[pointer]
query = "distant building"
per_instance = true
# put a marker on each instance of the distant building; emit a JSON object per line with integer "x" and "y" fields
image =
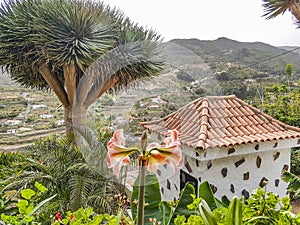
{"x": 12, "y": 122}
{"x": 29, "y": 99}
{"x": 46, "y": 116}
{"x": 157, "y": 100}
{"x": 60, "y": 122}
{"x": 34, "y": 107}
{"x": 12, "y": 131}
{"x": 24, "y": 129}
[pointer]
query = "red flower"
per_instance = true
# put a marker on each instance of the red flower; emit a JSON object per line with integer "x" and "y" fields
{"x": 58, "y": 216}
{"x": 71, "y": 217}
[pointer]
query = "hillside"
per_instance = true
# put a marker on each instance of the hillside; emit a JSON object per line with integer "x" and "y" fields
{"x": 224, "y": 50}
{"x": 194, "y": 68}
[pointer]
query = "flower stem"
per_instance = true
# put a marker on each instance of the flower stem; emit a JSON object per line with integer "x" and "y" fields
{"x": 141, "y": 199}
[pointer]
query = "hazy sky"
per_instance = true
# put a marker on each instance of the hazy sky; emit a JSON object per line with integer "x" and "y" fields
{"x": 240, "y": 20}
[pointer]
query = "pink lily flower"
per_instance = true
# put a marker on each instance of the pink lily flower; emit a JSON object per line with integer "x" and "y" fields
{"x": 155, "y": 154}
{"x": 118, "y": 155}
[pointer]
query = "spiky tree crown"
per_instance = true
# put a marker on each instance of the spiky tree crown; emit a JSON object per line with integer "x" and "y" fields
{"x": 64, "y": 32}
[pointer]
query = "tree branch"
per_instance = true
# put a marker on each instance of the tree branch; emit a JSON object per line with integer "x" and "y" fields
{"x": 55, "y": 84}
{"x": 83, "y": 87}
{"x": 96, "y": 92}
{"x": 70, "y": 81}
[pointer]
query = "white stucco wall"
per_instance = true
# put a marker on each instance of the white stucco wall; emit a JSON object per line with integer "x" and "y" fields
{"x": 244, "y": 168}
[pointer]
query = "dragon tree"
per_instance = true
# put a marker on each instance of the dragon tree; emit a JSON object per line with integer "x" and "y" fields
{"x": 77, "y": 49}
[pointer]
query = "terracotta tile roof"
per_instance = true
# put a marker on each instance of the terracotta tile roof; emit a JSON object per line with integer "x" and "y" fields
{"x": 220, "y": 121}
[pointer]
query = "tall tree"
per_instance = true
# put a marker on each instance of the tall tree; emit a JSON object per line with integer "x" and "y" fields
{"x": 274, "y": 8}
{"x": 76, "y": 48}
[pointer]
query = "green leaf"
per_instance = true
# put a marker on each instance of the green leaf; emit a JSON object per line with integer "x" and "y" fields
{"x": 27, "y": 193}
{"x": 166, "y": 211}
{"x": 36, "y": 207}
{"x": 40, "y": 187}
{"x": 206, "y": 213}
{"x": 97, "y": 219}
{"x": 225, "y": 201}
{"x": 29, "y": 208}
{"x": 28, "y": 219}
{"x": 22, "y": 205}
{"x": 206, "y": 193}
{"x": 261, "y": 220}
{"x": 234, "y": 214}
{"x": 152, "y": 198}
{"x": 185, "y": 199}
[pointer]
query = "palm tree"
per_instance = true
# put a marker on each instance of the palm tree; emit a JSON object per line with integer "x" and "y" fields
{"x": 61, "y": 167}
{"x": 274, "y": 8}
{"x": 77, "y": 49}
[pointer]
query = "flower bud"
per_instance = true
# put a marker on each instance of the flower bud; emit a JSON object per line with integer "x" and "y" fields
{"x": 144, "y": 140}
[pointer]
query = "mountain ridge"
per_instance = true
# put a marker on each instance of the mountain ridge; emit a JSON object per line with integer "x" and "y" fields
{"x": 225, "y": 50}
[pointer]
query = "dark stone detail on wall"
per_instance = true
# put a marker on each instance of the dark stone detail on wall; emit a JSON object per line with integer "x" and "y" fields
{"x": 165, "y": 166}
{"x": 245, "y": 193}
{"x": 240, "y": 162}
{"x": 224, "y": 171}
{"x": 168, "y": 185}
{"x": 213, "y": 188}
{"x": 197, "y": 154}
{"x": 158, "y": 172}
{"x": 277, "y": 182}
{"x": 176, "y": 188}
{"x": 263, "y": 182}
{"x": 298, "y": 142}
{"x": 256, "y": 147}
{"x": 197, "y": 162}
{"x": 230, "y": 151}
{"x": 232, "y": 188}
{"x": 188, "y": 166}
{"x": 209, "y": 164}
{"x": 199, "y": 179}
{"x": 205, "y": 154}
{"x": 159, "y": 137}
{"x": 246, "y": 176}
{"x": 275, "y": 145}
{"x": 276, "y": 155}
{"x": 258, "y": 161}
{"x": 285, "y": 167}
{"x": 162, "y": 190}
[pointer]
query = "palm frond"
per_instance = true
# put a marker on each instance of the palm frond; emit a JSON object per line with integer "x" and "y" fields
{"x": 273, "y": 8}
{"x": 101, "y": 202}
{"x": 80, "y": 186}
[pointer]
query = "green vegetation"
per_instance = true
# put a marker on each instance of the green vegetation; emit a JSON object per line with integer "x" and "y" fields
{"x": 260, "y": 208}
{"x": 78, "y": 57}
{"x": 55, "y": 181}
{"x": 63, "y": 169}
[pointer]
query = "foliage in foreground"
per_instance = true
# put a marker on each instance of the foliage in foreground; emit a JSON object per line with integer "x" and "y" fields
{"x": 63, "y": 169}
{"x": 260, "y": 208}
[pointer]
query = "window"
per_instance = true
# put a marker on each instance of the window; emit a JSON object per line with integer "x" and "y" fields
{"x": 187, "y": 178}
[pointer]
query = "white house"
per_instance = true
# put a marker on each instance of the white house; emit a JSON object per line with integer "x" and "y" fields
{"x": 35, "y": 107}
{"x": 60, "y": 122}
{"x": 233, "y": 145}
{"x": 11, "y": 131}
{"x": 46, "y": 116}
{"x": 12, "y": 122}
